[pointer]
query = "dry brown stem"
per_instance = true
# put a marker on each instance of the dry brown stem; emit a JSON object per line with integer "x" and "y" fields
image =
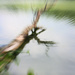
{"x": 16, "y": 43}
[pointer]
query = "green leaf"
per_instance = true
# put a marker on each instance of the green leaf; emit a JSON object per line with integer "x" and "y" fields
{"x": 16, "y": 61}
{"x": 28, "y": 52}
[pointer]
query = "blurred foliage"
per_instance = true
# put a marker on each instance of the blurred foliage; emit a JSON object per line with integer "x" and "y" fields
{"x": 28, "y": 52}
{"x": 30, "y": 72}
{"x": 62, "y": 9}
{"x": 59, "y": 5}
{"x": 70, "y": 15}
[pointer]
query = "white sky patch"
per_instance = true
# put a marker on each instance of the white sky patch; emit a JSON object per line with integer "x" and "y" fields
{"x": 35, "y": 49}
{"x": 13, "y": 23}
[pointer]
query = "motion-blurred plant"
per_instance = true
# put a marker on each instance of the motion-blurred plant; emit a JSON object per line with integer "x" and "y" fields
{"x": 9, "y": 52}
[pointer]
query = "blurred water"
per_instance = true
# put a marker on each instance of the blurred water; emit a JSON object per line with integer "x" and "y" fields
{"x": 61, "y": 56}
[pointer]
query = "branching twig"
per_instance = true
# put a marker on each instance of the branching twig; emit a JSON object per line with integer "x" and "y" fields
{"x": 10, "y": 51}
{"x": 48, "y": 6}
